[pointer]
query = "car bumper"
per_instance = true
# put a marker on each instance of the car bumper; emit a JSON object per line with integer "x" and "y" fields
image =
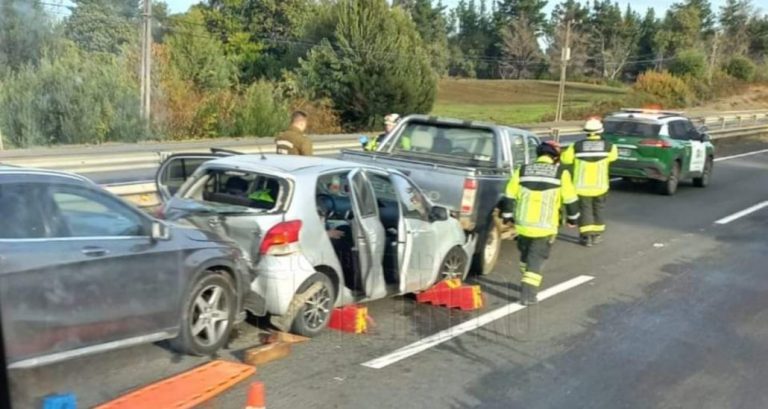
{"x": 278, "y": 278}
{"x": 641, "y": 169}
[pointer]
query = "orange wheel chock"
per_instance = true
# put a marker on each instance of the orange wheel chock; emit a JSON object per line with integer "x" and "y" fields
{"x": 350, "y": 318}
{"x": 452, "y": 293}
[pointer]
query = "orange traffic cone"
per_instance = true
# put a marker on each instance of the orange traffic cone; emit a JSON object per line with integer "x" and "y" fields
{"x": 256, "y": 397}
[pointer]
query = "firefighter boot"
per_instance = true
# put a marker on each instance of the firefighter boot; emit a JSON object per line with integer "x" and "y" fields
{"x": 597, "y": 238}
{"x": 528, "y": 294}
{"x": 586, "y": 240}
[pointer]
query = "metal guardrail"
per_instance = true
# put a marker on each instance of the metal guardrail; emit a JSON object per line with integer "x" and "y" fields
{"x": 144, "y": 194}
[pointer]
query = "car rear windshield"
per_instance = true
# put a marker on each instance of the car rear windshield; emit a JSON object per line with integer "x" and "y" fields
{"x": 457, "y": 143}
{"x": 629, "y": 127}
{"x": 237, "y": 189}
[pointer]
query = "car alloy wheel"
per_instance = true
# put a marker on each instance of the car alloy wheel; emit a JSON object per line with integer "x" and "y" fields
{"x": 454, "y": 265}
{"x": 210, "y": 315}
{"x": 317, "y": 309}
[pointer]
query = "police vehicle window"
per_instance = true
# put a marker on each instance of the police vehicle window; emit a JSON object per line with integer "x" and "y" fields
{"x": 20, "y": 216}
{"x": 456, "y": 142}
{"x": 245, "y": 189}
{"x": 677, "y": 130}
{"x": 79, "y": 212}
{"x": 413, "y": 202}
{"x": 364, "y": 196}
{"x": 632, "y": 128}
{"x": 177, "y": 172}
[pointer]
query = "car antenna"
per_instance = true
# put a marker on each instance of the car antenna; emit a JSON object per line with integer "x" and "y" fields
{"x": 261, "y": 152}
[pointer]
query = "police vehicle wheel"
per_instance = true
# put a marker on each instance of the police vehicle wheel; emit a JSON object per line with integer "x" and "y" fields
{"x": 703, "y": 181}
{"x": 669, "y": 187}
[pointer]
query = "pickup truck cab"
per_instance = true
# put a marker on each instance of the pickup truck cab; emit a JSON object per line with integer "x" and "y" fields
{"x": 660, "y": 146}
{"x": 462, "y": 165}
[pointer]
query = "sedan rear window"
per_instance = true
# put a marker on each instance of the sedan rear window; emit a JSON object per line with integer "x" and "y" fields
{"x": 629, "y": 127}
{"x": 237, "y": 188}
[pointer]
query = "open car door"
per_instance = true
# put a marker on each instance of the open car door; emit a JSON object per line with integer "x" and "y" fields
{"x": 369, "y": 236}
{"x": 177, "y": 168}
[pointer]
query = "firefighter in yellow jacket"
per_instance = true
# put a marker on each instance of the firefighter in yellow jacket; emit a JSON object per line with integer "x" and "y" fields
{"x": 591, "y": 158}
{"x": 534, "y": 197}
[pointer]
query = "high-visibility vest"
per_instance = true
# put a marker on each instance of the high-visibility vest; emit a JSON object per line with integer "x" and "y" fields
{"x": 591, "y": 159}
{"x": 536, "y": 193}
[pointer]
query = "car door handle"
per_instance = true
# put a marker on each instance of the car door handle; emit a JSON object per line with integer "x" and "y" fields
{"x": 94, "y": 251}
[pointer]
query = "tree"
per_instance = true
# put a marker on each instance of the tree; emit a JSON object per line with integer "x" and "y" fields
{"x": 25, "y": 29}
{"x": 373, "y": 63}
{"x": 520, "y": 49}
{"x": 741, "y": 67}
{"x": 103, "y": 25}
{"x": 578, "y": 15}
{"x": 691, "y": 63}
{"x": 758, "y": 37}
{"x": 533, "y": 10}
{"x": 649, "y": 28}
{"x": 681, "y": 29}
{"x": 734, "y": 18}
{"x": 197, "y": 54}
{"x": 614, "y": 35}
{"x": 432, "y": 27}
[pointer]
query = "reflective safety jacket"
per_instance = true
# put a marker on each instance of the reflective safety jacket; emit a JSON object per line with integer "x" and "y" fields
{"x": 535, "y": 195}
{"x": 590, "y": 159}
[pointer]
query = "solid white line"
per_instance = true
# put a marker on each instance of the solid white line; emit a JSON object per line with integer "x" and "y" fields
{"x": 475, "y": 323}
{"x": 741, "y": 155}
{"x": 738, "y": 215}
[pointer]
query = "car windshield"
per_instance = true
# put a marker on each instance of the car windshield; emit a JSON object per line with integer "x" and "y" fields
{"x": 629, "y": 127}
{"x": 233, "y": 191}
{"x": 469, "y": 144}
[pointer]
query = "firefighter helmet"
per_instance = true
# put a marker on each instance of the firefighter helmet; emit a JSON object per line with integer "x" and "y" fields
{"x": 593, "y": 126}
{"x": 550, "y": 148}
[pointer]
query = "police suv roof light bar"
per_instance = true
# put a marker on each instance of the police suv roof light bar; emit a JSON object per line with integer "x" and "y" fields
{"x": 651, "y": 111}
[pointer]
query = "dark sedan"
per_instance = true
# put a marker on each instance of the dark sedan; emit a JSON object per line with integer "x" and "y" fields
{"x": 81, "y": 271}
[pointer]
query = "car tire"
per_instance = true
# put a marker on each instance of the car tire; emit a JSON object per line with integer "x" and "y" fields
{"x": 669, "y": 186}
{"x": 454, "y": 265}
{"x": 706, "y": 176}
{"x": 208, "y": 315}
{"x": 313, "y": 315}
{"x": 484, "y": 261}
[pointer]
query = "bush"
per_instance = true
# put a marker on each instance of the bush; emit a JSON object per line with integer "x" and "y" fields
{"x": 689, "y": 63}
{"x": 260, "y": 112}
{"x": 72, "y": 98}
{"x": 664, "y": 88}
{"x": 741, "y": 67}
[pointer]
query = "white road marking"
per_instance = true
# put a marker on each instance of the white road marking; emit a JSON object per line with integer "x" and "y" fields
{"x": 475, "y": 323}
{"x": 741, "y": 155}
{"x": 738, "y": 215}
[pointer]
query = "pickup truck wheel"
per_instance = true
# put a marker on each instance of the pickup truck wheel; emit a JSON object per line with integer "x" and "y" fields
{"x": 485, "y": 260}
{"x": 669, "y": 187}
{"x": 703, "y": 181}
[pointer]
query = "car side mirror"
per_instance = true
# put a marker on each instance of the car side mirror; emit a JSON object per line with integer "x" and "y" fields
{"x": 438, "y": 214}
{"x": 160, "y": 231}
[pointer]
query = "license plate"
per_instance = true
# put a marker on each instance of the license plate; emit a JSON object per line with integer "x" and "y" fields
{"x": 625, "y": 152}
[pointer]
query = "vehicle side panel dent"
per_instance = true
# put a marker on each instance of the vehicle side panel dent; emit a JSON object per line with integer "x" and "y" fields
{"x": 278, "y": 278}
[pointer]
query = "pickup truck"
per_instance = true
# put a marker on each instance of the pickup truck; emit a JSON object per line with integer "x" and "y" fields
{"x": 462, "y": 165}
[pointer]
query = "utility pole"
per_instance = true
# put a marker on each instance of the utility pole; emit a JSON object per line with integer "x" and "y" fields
{"x": 565, "y": 55}
{"x": 713, "y": 57}
{"x": 146, "y": 63}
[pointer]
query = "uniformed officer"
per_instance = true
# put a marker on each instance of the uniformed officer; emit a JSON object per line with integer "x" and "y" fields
{"x": 534, "y": 197}
{"x": 293, "y": 141}
{"x": 590, "y": 158}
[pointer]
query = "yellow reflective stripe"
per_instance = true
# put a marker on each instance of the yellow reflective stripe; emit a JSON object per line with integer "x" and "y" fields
{"x": 531, "y": 278}
{"x": 523, "y": 266}
{"x": 592, "y": 228}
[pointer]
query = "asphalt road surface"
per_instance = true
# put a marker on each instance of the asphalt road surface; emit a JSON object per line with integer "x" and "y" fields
{"x": 669, "y": 312}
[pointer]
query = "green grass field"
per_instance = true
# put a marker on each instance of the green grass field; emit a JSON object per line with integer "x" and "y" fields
{"x": 513, "y": 102}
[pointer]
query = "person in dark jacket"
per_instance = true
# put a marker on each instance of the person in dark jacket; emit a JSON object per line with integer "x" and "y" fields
{"x": 294, "y": 141}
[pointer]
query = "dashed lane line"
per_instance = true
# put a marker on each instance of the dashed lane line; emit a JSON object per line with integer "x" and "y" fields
{"x": 740, "y": 214}
{"x": 470, "y": 325}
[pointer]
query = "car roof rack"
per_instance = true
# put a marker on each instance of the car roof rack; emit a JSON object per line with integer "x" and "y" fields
{"x": 652, "y": 111}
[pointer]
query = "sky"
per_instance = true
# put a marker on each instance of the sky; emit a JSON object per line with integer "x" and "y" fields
{"x": 640, "y": 5}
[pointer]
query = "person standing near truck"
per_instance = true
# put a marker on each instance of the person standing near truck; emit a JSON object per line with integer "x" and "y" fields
{"x": 591, "y": 158}
{"x": 390, "y": 121}
{"x": 294, "y": 141}
{"x": 534, "y": 196}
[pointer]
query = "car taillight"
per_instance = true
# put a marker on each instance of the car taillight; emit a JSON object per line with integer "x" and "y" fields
{"x": 468, "y": 197}
{"x": 655, "y": 143}
{"x": 281, "y": 239}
